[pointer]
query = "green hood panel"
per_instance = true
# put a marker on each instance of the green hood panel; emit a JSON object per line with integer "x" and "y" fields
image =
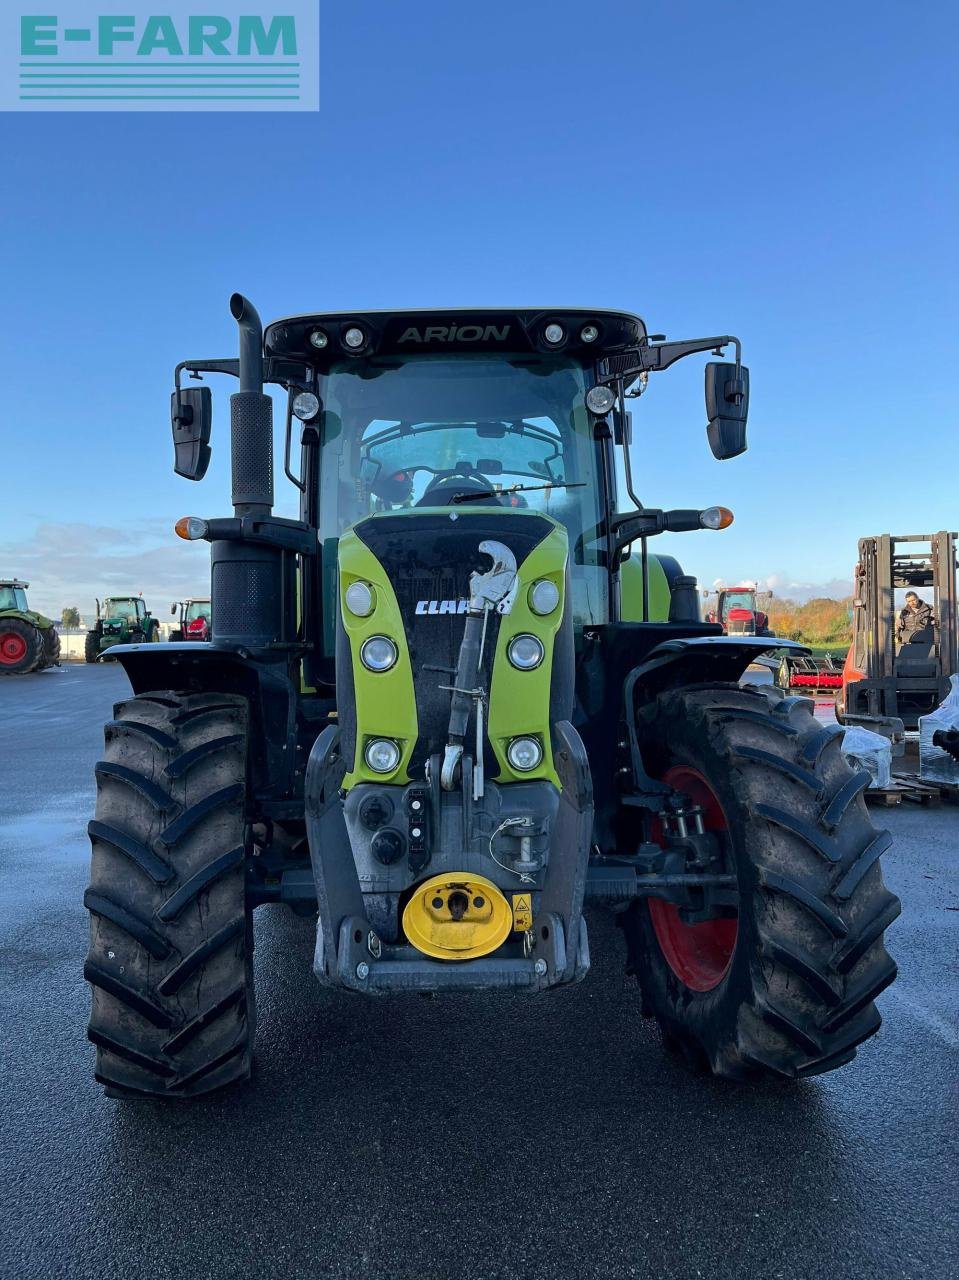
{"x": 385, "y": 704}
{"x": 419, "y": 567}
{"x": 38, "y": 620}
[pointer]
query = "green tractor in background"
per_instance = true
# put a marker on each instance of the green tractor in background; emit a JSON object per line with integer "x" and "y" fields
{"x": 456, "y": 701}
{"x": 120, "y": 620}
{"x": 28, "y": 640}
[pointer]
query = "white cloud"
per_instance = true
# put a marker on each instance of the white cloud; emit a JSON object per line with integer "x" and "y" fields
{"x": 71, "y": 563}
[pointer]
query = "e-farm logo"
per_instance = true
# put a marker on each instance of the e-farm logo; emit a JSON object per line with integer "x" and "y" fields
{"x": 99, "y": 55}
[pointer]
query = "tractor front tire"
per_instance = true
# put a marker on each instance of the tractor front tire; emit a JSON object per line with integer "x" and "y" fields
{"x": 171, "y": 941}
{"x": 21, "y": 647}
{"x": 785, "y": 985}
{"x": 91, "y": 646}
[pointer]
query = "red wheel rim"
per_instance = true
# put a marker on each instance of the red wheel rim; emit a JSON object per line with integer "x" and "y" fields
{"x": 13, "y": 648}
{"x": 698, "y": 954}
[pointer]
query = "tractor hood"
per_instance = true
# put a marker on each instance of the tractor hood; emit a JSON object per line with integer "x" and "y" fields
{"x": 418, "y": 566}
{"x": 39, "y": 620}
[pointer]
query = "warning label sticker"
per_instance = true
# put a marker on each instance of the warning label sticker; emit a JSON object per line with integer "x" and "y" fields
{"x": 522, "y": 912}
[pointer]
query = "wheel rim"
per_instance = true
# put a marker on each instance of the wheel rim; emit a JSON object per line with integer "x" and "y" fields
{"x": 698, "y": 954}
{"x": 13, "y": 648}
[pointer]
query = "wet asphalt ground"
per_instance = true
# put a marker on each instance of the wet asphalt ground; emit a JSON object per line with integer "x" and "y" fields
{"x": 468, "y": 1138}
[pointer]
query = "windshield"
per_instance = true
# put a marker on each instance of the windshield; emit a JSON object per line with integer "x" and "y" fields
{"x": 428, "y": 430}
{"x": 197, "y": 609}
{"x": 119, "y": 609}
{"x": 13, "y": 598}
{"x": 738, "y": 600}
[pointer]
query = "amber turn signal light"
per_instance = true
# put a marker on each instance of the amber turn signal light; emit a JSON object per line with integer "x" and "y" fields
{"x": 191, "y": 528}
{"x": 716, "y": 518}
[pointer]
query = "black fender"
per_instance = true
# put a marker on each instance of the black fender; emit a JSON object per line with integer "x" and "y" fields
{"x": 204, "y": 666}
{"x": 677, "y": 663}
{"x": 699, "y": 660}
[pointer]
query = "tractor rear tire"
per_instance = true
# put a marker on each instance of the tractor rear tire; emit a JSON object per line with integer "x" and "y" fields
{"x": 171, "y": 940}
{"x": 91, "y": 646}
{"x": 51, "y": 648}
{"x": 21, "y": 647}
{"x": 787, "y": 988}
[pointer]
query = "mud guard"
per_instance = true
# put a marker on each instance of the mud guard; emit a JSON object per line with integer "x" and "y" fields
{"x": 698, "y": 659}
{"x": 192, "y": 666}
{"x": 680, "y": 662}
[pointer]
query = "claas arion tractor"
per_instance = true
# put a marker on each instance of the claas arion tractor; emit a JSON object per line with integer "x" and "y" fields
{"x": 457, "y": 700}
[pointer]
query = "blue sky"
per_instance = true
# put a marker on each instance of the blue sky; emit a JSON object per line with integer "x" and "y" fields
{"x": 783, "y": 172}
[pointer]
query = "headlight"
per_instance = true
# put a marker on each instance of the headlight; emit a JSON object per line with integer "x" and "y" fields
{"x": 525, "y": 652}
{"x": 588, "y": 333}
{"x": 360, "y": 599}
{"x": 354, "y": 338}
{"x": 524, "y": 754}
{"x": 554, "y": 334}
{"x": 318, "y": 339}
{"x": 382, "y": 755}
{"x": 600, "y": 400}
{"x": 306, "y": 406}
{"x": 379, "y": 653}
{"x": 543, "y": 596}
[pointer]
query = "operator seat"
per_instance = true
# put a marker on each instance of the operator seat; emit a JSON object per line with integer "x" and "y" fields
{"x": 917, "y": 659}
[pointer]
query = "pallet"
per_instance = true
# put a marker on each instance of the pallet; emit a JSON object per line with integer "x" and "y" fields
{"x": 904, "y": 788}
{"x": 946, "y": 792}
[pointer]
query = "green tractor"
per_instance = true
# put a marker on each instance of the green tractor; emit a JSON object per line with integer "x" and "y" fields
{"x": 28, "y": 640}
{"x": 457, "y": 700}
{"x": 120, "y": 620}
{"x": 195, "y": 621}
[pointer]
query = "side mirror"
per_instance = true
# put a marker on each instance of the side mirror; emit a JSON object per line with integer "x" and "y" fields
{"x": 727, "y": 406}
{"x": 172, "y": 608}
{"x": 191, "y": 417}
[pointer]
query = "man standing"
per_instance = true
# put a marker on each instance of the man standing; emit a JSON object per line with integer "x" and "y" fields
{"x": 915, "y": 621}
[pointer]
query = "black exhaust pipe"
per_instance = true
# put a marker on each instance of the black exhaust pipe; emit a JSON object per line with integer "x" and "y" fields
{"x": 251, "y": 342}
{"x": 250, "y": 579}
{"x": 251, "y": 419}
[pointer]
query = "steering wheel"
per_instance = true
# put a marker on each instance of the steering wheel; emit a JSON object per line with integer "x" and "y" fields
{"x": 462, "y": 479}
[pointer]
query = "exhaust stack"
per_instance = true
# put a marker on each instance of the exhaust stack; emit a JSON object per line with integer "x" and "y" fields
{"x": 251, "y": 419}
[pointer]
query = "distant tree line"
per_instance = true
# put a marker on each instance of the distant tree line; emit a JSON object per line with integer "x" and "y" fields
{"x": 818, "y": 622}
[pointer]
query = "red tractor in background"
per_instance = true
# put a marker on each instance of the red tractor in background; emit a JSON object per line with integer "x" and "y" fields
{"x": 737, "y": 610}
{"x": 195, "y": 619}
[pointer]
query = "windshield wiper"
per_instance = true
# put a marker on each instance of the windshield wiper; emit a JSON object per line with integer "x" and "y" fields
{"x": 516, "y": 488}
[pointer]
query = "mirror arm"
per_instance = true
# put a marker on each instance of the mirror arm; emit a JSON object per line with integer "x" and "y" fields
{"x": 274, "y": 370}
{"x": 289, "y": 435}
{"x": 627, "y": 365}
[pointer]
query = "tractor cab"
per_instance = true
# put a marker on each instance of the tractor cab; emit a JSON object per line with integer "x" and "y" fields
{"x": 13, "y": 595}
{"x": 118, "y": 611}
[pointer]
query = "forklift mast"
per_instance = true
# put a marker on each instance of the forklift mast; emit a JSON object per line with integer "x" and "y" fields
{"x": 884, "y": 678}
